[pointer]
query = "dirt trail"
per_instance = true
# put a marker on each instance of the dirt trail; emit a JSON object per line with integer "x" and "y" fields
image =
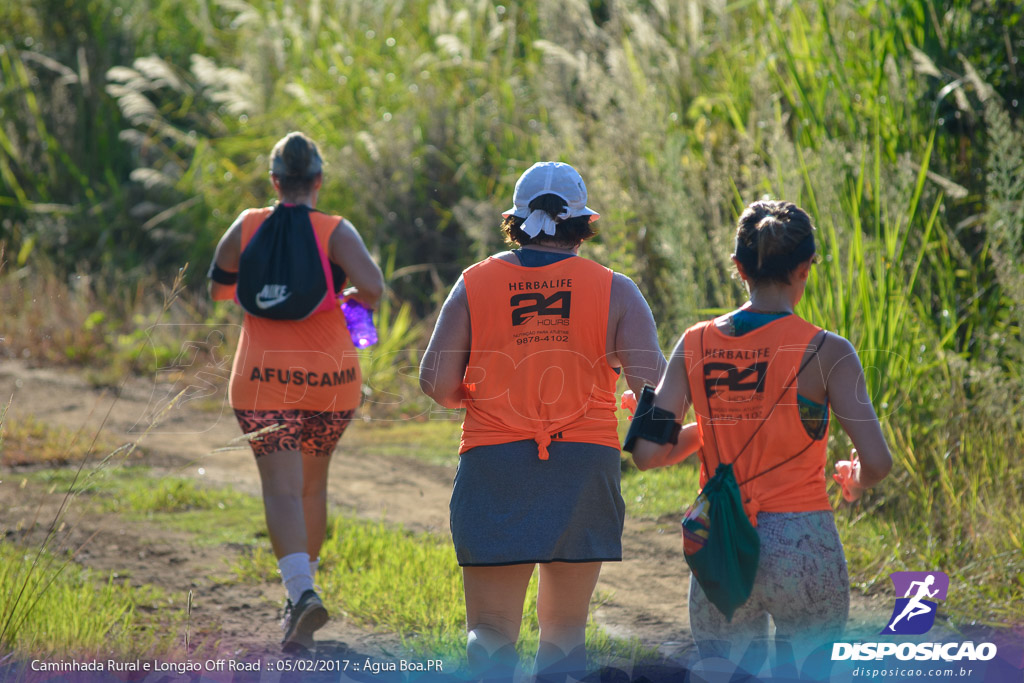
{"x": 646, "y": 593}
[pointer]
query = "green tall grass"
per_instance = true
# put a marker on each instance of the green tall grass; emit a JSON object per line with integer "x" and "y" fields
{"x": 950, "y": 496}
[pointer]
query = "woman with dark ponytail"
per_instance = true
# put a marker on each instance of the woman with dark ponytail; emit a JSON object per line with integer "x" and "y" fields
{"x": 762, "y": 381}
{"x": 295, "y": 373}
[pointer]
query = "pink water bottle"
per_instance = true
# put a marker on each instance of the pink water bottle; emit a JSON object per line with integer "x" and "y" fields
{"x": 360, "y": 323}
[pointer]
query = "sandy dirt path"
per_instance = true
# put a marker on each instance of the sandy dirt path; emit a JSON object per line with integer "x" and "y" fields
{"x": 646, "y": 593}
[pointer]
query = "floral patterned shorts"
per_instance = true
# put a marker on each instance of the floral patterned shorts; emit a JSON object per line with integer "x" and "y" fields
{"x": 312, "y": 433}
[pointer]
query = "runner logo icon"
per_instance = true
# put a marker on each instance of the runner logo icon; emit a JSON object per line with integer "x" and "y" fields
{"x": 914, "y": 613}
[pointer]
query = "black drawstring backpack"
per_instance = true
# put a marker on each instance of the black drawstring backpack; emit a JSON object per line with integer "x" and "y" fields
{"x": 283, "y": 272}
{"x": 720, "y": 544}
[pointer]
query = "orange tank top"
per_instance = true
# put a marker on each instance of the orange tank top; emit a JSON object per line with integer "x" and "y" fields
{"x": 306, "y": 364}
{"x": 738, "y": 383}
{"x": 538, "y": 365}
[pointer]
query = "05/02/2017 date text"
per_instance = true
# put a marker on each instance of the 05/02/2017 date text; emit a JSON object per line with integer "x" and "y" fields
{"x": 366, "y": 666}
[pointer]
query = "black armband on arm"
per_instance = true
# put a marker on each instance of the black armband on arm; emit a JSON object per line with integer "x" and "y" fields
{"x": 221, "y": 276}
{"x": 651, "y": 423}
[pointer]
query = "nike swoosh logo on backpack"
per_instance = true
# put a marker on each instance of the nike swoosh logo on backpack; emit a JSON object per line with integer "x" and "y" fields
{"x": 271, "y": 296}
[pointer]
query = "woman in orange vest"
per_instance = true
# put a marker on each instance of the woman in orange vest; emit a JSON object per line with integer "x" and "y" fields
{"x": 531, "y": 343}
{"x": 299, "y": 377}
{"x": 761, "y": 381}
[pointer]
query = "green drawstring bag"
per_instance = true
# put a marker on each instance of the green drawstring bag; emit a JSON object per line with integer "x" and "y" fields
{"x": 720, "y": 544}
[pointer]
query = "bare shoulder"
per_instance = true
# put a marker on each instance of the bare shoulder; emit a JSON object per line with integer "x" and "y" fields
{"x": 346, "y": 244}
{"x": 234, "y": 230}
{"x": 345, "y": 230}
{"x": 835, "y": 349}
{"x": 679, "y": 350}
{"x": 230, "y": 245}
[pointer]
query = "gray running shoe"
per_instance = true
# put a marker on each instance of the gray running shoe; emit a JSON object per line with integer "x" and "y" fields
{"x": 301, "y": 620}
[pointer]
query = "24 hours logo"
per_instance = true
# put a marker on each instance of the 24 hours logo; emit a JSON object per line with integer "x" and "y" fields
{"x": 528, "y": 305}
{"x": 734, "y": 378}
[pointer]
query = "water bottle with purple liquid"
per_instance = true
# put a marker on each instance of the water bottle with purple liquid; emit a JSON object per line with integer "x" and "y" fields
{"x": 360, "y": 323}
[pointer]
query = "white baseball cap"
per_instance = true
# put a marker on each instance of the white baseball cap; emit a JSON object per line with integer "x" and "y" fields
{"x": 551, "y": 177}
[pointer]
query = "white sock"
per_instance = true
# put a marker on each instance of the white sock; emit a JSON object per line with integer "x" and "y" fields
{"x": 313, "y": 566}
{"x": 294, "y": 570}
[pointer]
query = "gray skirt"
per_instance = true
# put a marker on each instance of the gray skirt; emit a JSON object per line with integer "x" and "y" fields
{"x": 510, "y": 507}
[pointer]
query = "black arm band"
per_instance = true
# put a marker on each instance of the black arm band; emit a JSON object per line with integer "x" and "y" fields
{"x": 651, "y": 423}
{"x": 221, "y": 276}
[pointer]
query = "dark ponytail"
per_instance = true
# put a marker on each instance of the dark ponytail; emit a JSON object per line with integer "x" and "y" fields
{"x": 772, "y": 239}
{"x": 295, "y": 161}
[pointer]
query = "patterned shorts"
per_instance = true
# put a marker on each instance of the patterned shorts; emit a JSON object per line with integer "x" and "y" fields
{"x": 312, "y": 433}
{"x": 801, "y": 583}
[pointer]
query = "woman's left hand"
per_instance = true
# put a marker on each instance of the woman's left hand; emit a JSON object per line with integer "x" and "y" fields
{"x": 354, "y": 293}
{"x": 628, "y": 402}
{"x": 848, "y": 477}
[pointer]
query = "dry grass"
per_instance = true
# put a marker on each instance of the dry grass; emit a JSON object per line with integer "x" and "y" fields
{"x": 29, "y": 441}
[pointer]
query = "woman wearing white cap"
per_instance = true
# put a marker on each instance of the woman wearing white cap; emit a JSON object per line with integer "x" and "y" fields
{"x": 531, "y": 343}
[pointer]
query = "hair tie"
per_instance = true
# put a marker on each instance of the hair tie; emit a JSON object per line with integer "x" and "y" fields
{"x": 540, "y": 221}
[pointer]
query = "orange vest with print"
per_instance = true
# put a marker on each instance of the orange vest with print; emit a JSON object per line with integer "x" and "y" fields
{"x": 737, "y": 383}
{"x": 538, "y": 368}
{"x": 306, "y": 364}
